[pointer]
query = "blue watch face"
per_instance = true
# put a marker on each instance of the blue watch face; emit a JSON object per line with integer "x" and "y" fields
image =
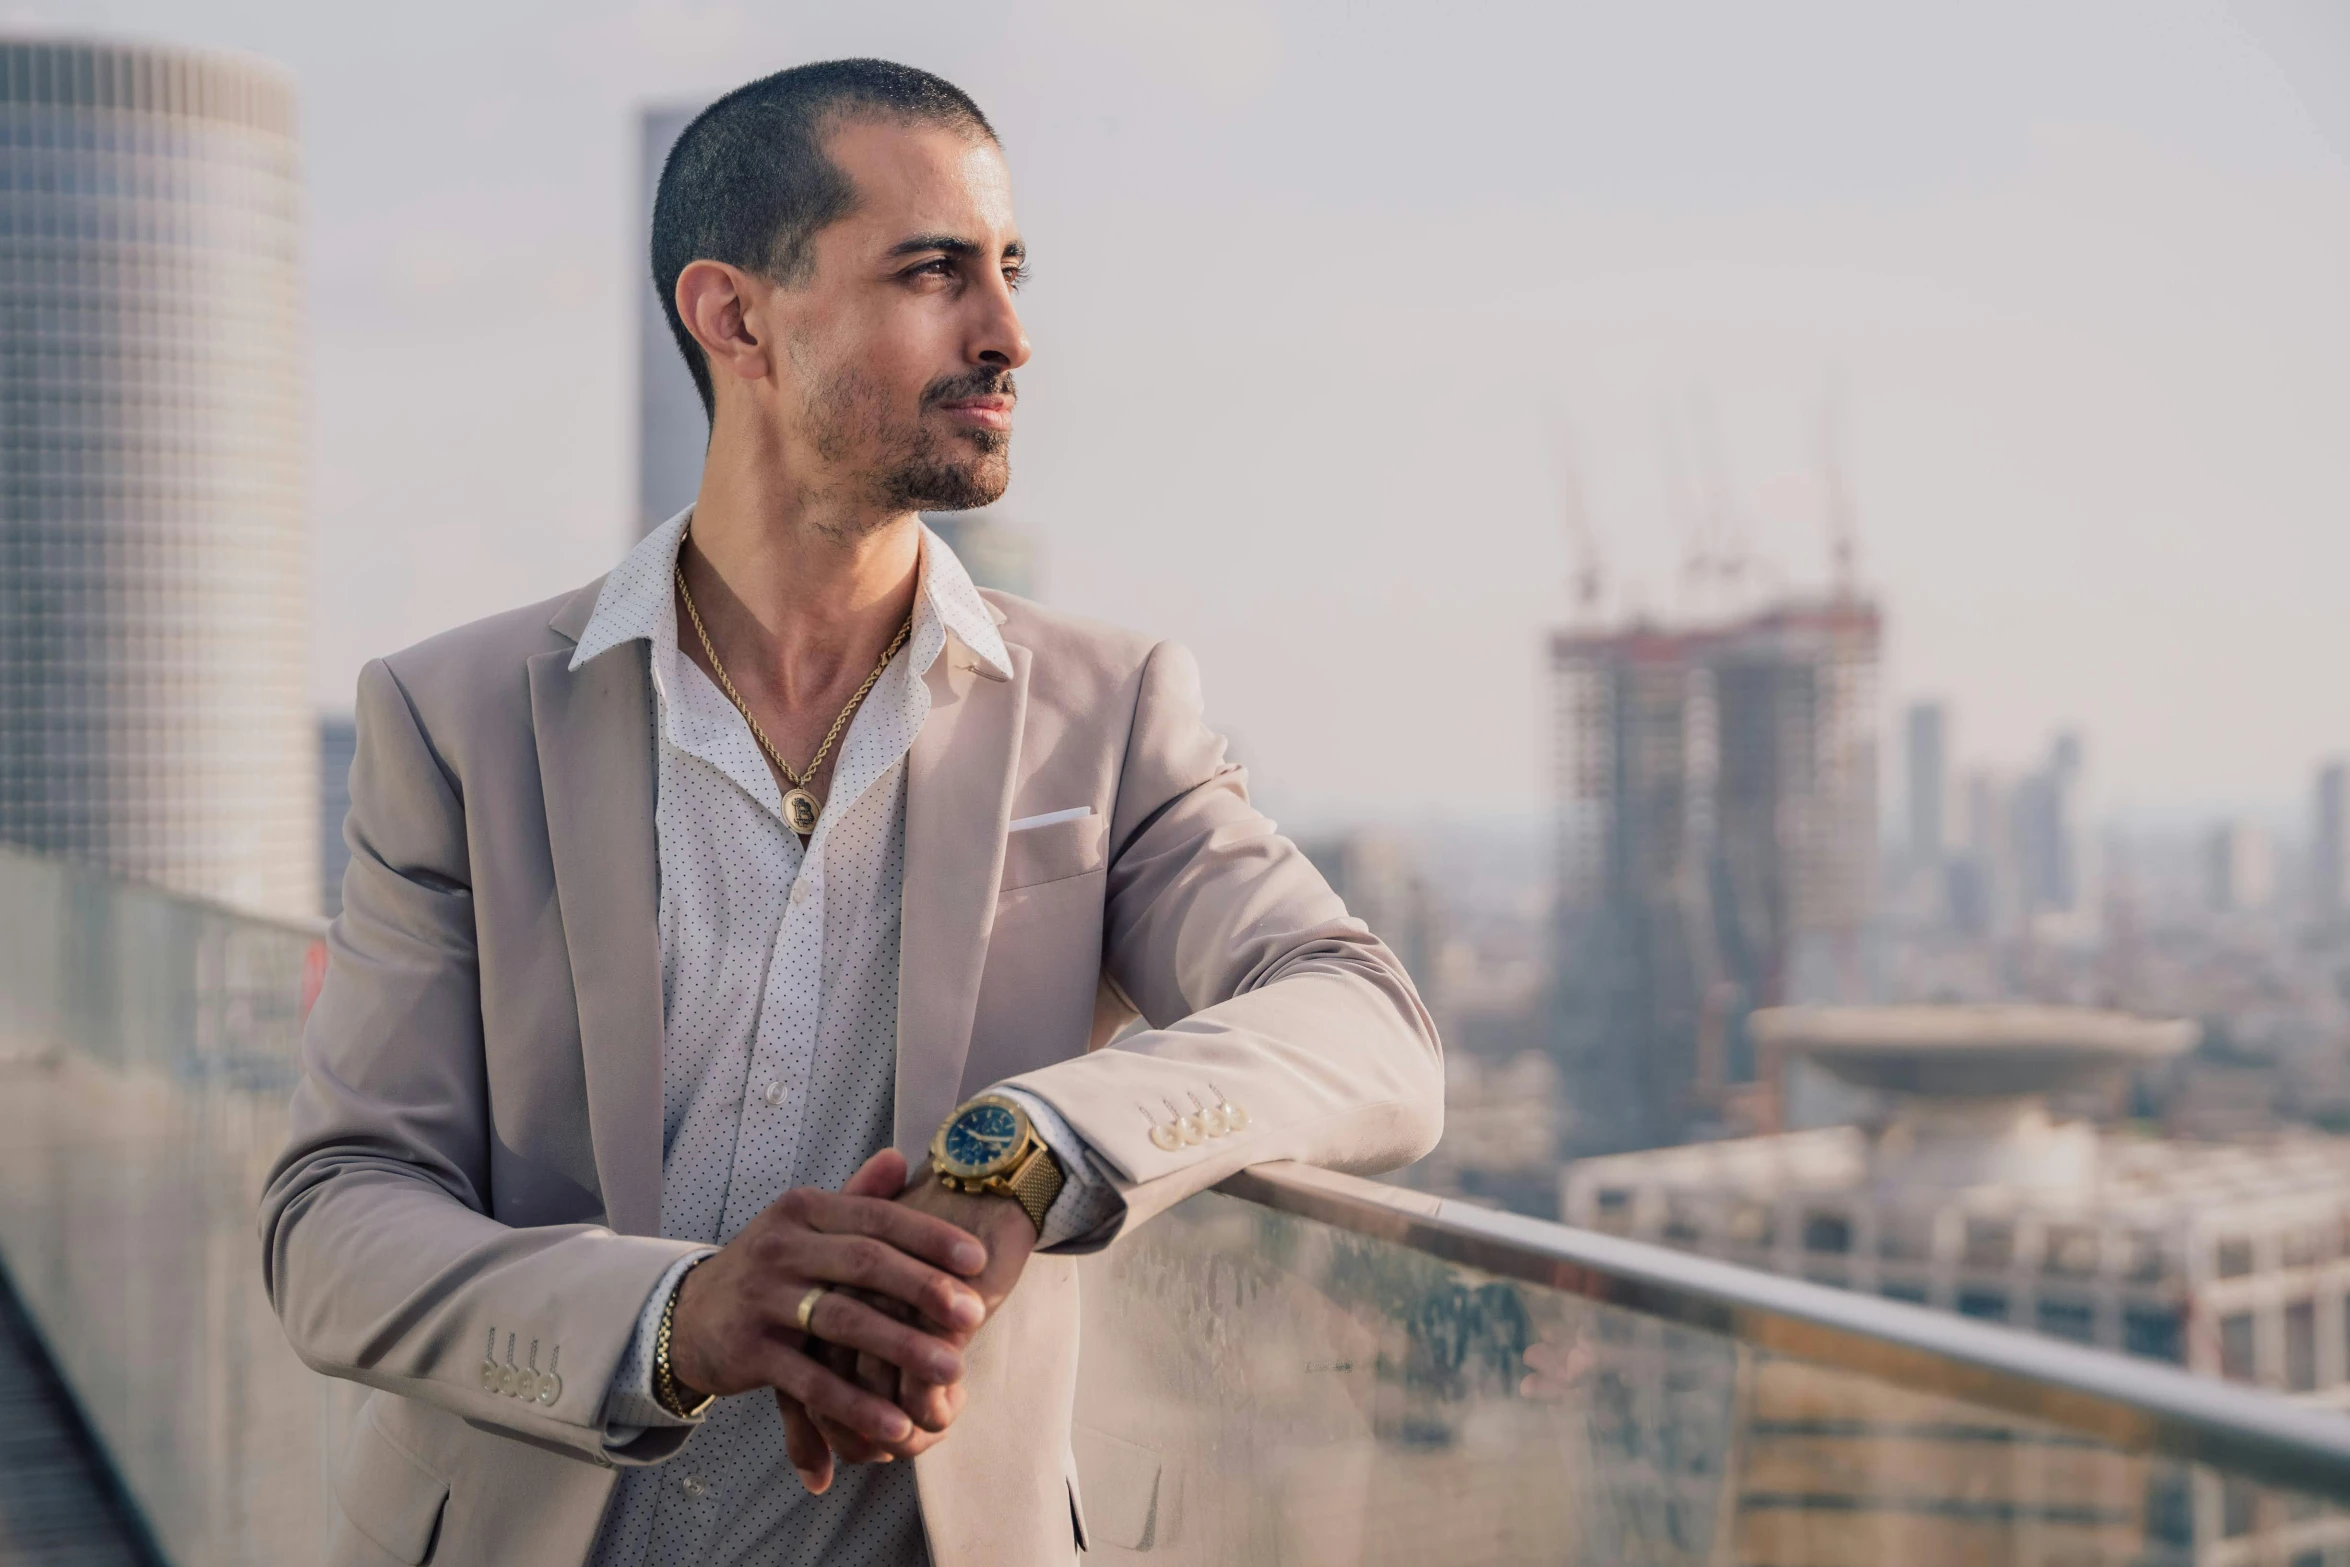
{"x": 981, "y": 1135}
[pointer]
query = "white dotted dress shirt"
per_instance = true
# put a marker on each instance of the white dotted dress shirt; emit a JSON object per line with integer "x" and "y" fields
{"x": 779, "y": 972}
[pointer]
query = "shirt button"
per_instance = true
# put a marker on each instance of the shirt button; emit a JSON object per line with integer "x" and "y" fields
{"x": 693, "y": 1485}
{"x": 799, "y": 890}
{"x": 772, "y": 1093}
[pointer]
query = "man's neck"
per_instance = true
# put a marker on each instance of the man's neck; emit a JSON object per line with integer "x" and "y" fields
{"x": 803, "y": 587}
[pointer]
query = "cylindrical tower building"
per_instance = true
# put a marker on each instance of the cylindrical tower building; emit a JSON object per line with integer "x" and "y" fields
{"x": 153, "y": 712}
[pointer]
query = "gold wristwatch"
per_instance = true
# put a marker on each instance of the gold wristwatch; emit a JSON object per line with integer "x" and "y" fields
{"x": 989, "y": 1146}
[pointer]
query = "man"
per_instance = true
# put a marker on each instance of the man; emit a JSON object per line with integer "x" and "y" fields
{"x": 721, "y": 1008}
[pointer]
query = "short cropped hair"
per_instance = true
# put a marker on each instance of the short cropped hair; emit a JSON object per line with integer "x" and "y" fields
{"x": 748, "y": 182}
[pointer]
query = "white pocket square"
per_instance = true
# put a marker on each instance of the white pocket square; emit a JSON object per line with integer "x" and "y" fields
{"x": 1073, "y": 813}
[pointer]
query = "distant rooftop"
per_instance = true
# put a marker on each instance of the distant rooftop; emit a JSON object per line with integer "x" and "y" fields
{"x": 2149, "y": 1181}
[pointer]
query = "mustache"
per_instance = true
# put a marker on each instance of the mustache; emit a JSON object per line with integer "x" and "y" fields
{"x": 983, "y": 382}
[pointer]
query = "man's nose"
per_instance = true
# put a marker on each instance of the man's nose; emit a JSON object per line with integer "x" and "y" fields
{"x": 1001, "y": 341}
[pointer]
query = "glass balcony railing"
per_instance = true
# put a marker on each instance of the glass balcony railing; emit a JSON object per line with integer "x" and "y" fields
{"x": 1300, "y": 1368}
{"x": 147, "y": 1051}
{"x": 1305, "y": 1367}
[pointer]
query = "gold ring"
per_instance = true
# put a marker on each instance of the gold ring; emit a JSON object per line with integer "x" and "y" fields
{"x": 807, "y": 1312}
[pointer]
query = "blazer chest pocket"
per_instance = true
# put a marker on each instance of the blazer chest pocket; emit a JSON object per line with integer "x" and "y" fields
{"x": 1055, "y": 850}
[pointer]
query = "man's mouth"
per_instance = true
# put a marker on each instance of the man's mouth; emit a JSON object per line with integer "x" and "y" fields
{"x": 992, "y": 411}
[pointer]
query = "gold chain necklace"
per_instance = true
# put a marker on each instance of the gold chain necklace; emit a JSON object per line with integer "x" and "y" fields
{"x": 800, "y": 805}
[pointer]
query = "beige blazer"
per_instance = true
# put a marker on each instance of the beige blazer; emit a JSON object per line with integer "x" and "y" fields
{"x": 476, "y": 1153}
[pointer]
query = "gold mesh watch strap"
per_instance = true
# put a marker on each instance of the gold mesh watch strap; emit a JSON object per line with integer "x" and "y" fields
{"x": 1036, "y": 1184}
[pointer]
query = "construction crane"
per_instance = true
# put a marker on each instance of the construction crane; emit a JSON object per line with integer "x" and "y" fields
{"x": 1682, "y": 506}
{"x": 1837, "y": 505}
{"x": 1731, "y": 550}
{"x": 1587, "y": 580}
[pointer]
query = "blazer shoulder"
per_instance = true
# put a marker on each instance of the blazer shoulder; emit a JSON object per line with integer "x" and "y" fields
{"x": 479, "y": 673}
{"x": 1062, "y": 643}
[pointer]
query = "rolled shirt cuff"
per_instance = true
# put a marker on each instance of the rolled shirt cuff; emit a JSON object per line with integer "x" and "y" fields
{"x": 630, "y": 1409}
{"x": 1088, "y": 1213}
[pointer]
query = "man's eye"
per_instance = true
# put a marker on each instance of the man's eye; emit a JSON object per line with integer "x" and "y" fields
{"x": 1016, "y": 278}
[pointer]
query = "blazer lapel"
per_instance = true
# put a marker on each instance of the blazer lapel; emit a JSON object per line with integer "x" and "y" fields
{"x": 959, "y": 778}
{"x": 595, "y": 745}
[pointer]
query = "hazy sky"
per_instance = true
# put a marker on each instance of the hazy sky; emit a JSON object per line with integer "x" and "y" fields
{"x": 1315, "y": 282}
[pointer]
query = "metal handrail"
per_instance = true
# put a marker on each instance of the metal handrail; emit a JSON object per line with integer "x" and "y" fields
{"x": 2134, "y": 1404}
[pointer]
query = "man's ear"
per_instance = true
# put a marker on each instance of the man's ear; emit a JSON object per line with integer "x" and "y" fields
{"x": 718, "y": 305}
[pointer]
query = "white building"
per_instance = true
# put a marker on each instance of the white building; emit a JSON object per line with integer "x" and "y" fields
{"x": 153, "y": 707}
{"x": 1976, "y": 1197}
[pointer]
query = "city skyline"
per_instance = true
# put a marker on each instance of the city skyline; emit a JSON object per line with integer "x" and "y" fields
{"x": 2084, "y": 307}
{"x": 1777, "y": 575}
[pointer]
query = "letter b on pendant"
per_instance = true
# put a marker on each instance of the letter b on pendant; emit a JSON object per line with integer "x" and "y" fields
{"x": 800, "y": 809}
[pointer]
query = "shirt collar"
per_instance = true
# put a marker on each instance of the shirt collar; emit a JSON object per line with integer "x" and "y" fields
{"x": 955, "y": 600}
{"x": 635, "y": 603}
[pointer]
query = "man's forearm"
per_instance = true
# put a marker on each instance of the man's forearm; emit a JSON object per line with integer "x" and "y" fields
{"x": 350, "y": 1249}
{"x": 1332, "y": 1062}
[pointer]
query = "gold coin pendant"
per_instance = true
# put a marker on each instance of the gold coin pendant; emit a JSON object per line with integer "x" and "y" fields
{"x": 800, "y": 810}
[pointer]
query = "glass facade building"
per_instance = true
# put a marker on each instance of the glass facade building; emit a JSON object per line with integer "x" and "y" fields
{"x": 152, "y": 694}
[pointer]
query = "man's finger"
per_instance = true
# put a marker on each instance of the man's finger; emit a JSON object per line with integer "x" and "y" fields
{"x": 804, "y": 1445}
{"x": 878, "y": 1377}
{"x": 830, "y": 1397}
{"x": 854, "y": 1449}
{"x": 851, "y": 1447}
{"x": 930, "y": 1405}
{"x": 876, "y": 1267}
{"x": 917, "y": 1234}
{"x": 883, "y": 1175}
{"x": 840, "y": 1318}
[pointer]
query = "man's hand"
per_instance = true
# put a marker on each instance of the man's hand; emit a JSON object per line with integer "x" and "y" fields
{"x": 1003, "y": 1227}
{"x": 733, "y": 1329}
{"x": 1000, "y": 1223}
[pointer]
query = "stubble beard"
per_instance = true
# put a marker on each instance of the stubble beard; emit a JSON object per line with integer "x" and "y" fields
{"x": 929, "y": 475}
{"x": 909, "y": 466}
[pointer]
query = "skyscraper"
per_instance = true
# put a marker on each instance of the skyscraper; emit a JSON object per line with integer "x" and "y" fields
{"x": 672, "y": 430}
{"x": 1927, "y": 758}
{"x": 1717, "y": 832}
{"x": 2329, "y": 843}
{"x": 2239, "y": 868}
{"x": 2046, "y": 831}
{"x": 153, "y": 716}
{"x": 338, "y": 743}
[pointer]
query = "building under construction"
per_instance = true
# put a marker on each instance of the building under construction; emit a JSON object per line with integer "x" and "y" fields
{"x": 1717, "y": 835}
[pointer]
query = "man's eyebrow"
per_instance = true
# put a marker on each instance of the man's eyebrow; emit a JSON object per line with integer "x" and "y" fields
{"x": 953, "y": 245}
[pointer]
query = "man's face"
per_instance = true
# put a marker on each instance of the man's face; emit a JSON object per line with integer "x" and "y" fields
{"x": 895, "y": 357}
